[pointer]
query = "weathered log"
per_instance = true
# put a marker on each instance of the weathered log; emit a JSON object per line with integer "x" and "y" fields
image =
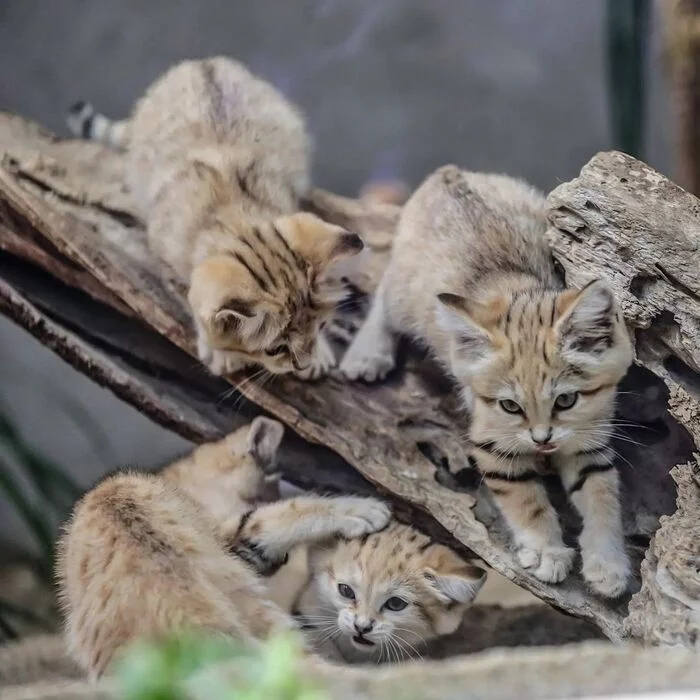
{"x": 586, "y": 670}
{"x": 625, "y": 222}
{"x": 77, "y": 273}
{"x": 667, "y": 608}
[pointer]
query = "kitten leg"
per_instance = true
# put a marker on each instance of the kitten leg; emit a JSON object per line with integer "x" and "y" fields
{"x": 523, "y": 500}
{"x": 593, "y": 487}
{"x": 273, "y": 530}
{"x": 322, "y": 362}
{"x": 372, "y": 354}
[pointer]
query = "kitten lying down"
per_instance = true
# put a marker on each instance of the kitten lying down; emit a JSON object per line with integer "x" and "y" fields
{"x": 191, "y": 547}
{"x": 216, "y": 161}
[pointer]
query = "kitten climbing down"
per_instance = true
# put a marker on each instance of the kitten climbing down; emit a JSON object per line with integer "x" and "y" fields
{"x": 147, "y": 554}
{"x": 382, "y": 597}
{"x": 217, "y": 161}
{"x": 471, "y": 276}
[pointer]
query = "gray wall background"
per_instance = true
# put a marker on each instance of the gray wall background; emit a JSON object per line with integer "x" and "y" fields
{"x": 390, "y": 87}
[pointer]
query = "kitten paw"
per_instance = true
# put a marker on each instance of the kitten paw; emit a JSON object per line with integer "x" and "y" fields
{"x": 204, "y": 350}
{"x": 321, "y": 365}
{"x": 549, "y": 564}
{"x": 369, "y": 362}
{"x": 361, "y": 516}
{"x": 607, "y": 577}
{"x": 223, "y": 363}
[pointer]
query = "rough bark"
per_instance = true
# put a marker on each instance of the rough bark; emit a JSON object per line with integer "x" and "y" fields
{"x": 76, "y": 272}
{"x": 625, "y": 222}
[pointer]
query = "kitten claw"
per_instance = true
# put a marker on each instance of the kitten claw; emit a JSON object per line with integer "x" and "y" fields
{"x": 322, "y": 363}
{"x": 361, "y": 516}
{"x": 549, "y": 564}
{"x": 607, "y": 577}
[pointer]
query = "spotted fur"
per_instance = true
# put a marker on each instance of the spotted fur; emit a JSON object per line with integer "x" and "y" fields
{"x": 472, "y": 277}
{"x": 217, "y": 161}
{"x": 398, "y": 567}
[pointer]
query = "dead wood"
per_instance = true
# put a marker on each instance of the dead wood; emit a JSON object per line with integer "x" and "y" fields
{"x": 75, "y": 271}
{"x": 623, "y": 221}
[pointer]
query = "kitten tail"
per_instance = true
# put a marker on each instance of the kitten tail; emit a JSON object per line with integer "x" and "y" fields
{"x": 85, "y": 122}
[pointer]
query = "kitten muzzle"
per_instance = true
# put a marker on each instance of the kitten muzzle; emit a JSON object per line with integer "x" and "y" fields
{"x": 362, "y": 641}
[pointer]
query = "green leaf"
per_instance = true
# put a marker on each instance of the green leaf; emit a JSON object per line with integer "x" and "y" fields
{"x": 58, "y": 490}
{"x": 37, "y": 524}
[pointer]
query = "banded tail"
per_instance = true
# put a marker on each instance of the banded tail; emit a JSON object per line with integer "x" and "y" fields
{"x": 86, "y": 122}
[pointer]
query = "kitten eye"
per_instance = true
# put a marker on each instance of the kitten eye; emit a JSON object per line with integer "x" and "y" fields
{"x": 510, "y": 406}
{"x": 395, "y": 604}
{"x": 346, "y": 591}
{"x": 277, "y": 350}
{"x": 566, "y": 401}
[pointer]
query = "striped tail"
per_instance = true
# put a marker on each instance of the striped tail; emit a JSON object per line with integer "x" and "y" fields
{"x": 87, "y": 123}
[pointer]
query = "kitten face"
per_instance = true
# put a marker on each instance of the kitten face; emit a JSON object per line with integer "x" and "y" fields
{"x": 539, "y": 369}
{"x": 269, "y": 299}
{"x": 382, "y": 597}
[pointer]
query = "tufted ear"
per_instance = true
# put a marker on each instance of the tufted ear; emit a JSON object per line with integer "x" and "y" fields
{"x": 469, "y": 324}
{"x": 264, "y": 438}
{"x": 318, "y": 243}
{"x": 587, "y": 319}
{"x": 455, "y": 583}
{"x": 233, "y": 311}
{"x": 459, "y": 585}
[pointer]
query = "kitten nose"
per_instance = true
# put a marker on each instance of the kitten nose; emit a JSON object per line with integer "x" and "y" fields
{"x": 363, "y": 626}
{"x": 541, "y": 436}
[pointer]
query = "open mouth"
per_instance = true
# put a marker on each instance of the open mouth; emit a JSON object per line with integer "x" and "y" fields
{"x": 363, "y": 641}
{"x": 547, "y": 449}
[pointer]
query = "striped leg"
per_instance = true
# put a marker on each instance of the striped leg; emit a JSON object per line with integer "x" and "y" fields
{"x": 592, "y": 483}
{"x": 523, "y": 500}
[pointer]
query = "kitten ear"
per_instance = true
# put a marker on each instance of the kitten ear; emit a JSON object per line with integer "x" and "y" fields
{"x": 459, "y": 586}
{"x": 466, "y": 323}
{"x": 264, "y": 438}
{"x": 317, "y": 242}
{"x": 455, "y": 584}
{"x": 233, "y": 312}
{"x": 587, "y": 319}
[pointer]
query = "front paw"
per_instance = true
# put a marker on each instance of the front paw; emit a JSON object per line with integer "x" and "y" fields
{"x": 223, "y": 363}
{"x": 369, "y": 363}
{"x": 549, "y": 564}
{"x": 607, "y": 576}
{"x": 361, "y": 516}
{"x": 322, "y": 363}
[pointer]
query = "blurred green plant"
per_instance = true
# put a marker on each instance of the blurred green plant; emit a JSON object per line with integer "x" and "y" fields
{"x": 627, "y": 39}
{"x": 48, "y": 499}
{"x": 150, "y": 671}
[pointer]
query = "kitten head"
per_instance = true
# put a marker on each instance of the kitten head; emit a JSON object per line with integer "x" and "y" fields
{"x": 387, "y": 594}
{"x": 539, "y": 368}
{"x": 269, "y": 298}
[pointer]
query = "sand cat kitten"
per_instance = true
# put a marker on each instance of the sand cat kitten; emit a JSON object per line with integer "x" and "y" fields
{"x": 142, "y": 556}
{"x": 383, "y": 596}
{"x": 216, "y": 161}
{"x": 472, "y": 277}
